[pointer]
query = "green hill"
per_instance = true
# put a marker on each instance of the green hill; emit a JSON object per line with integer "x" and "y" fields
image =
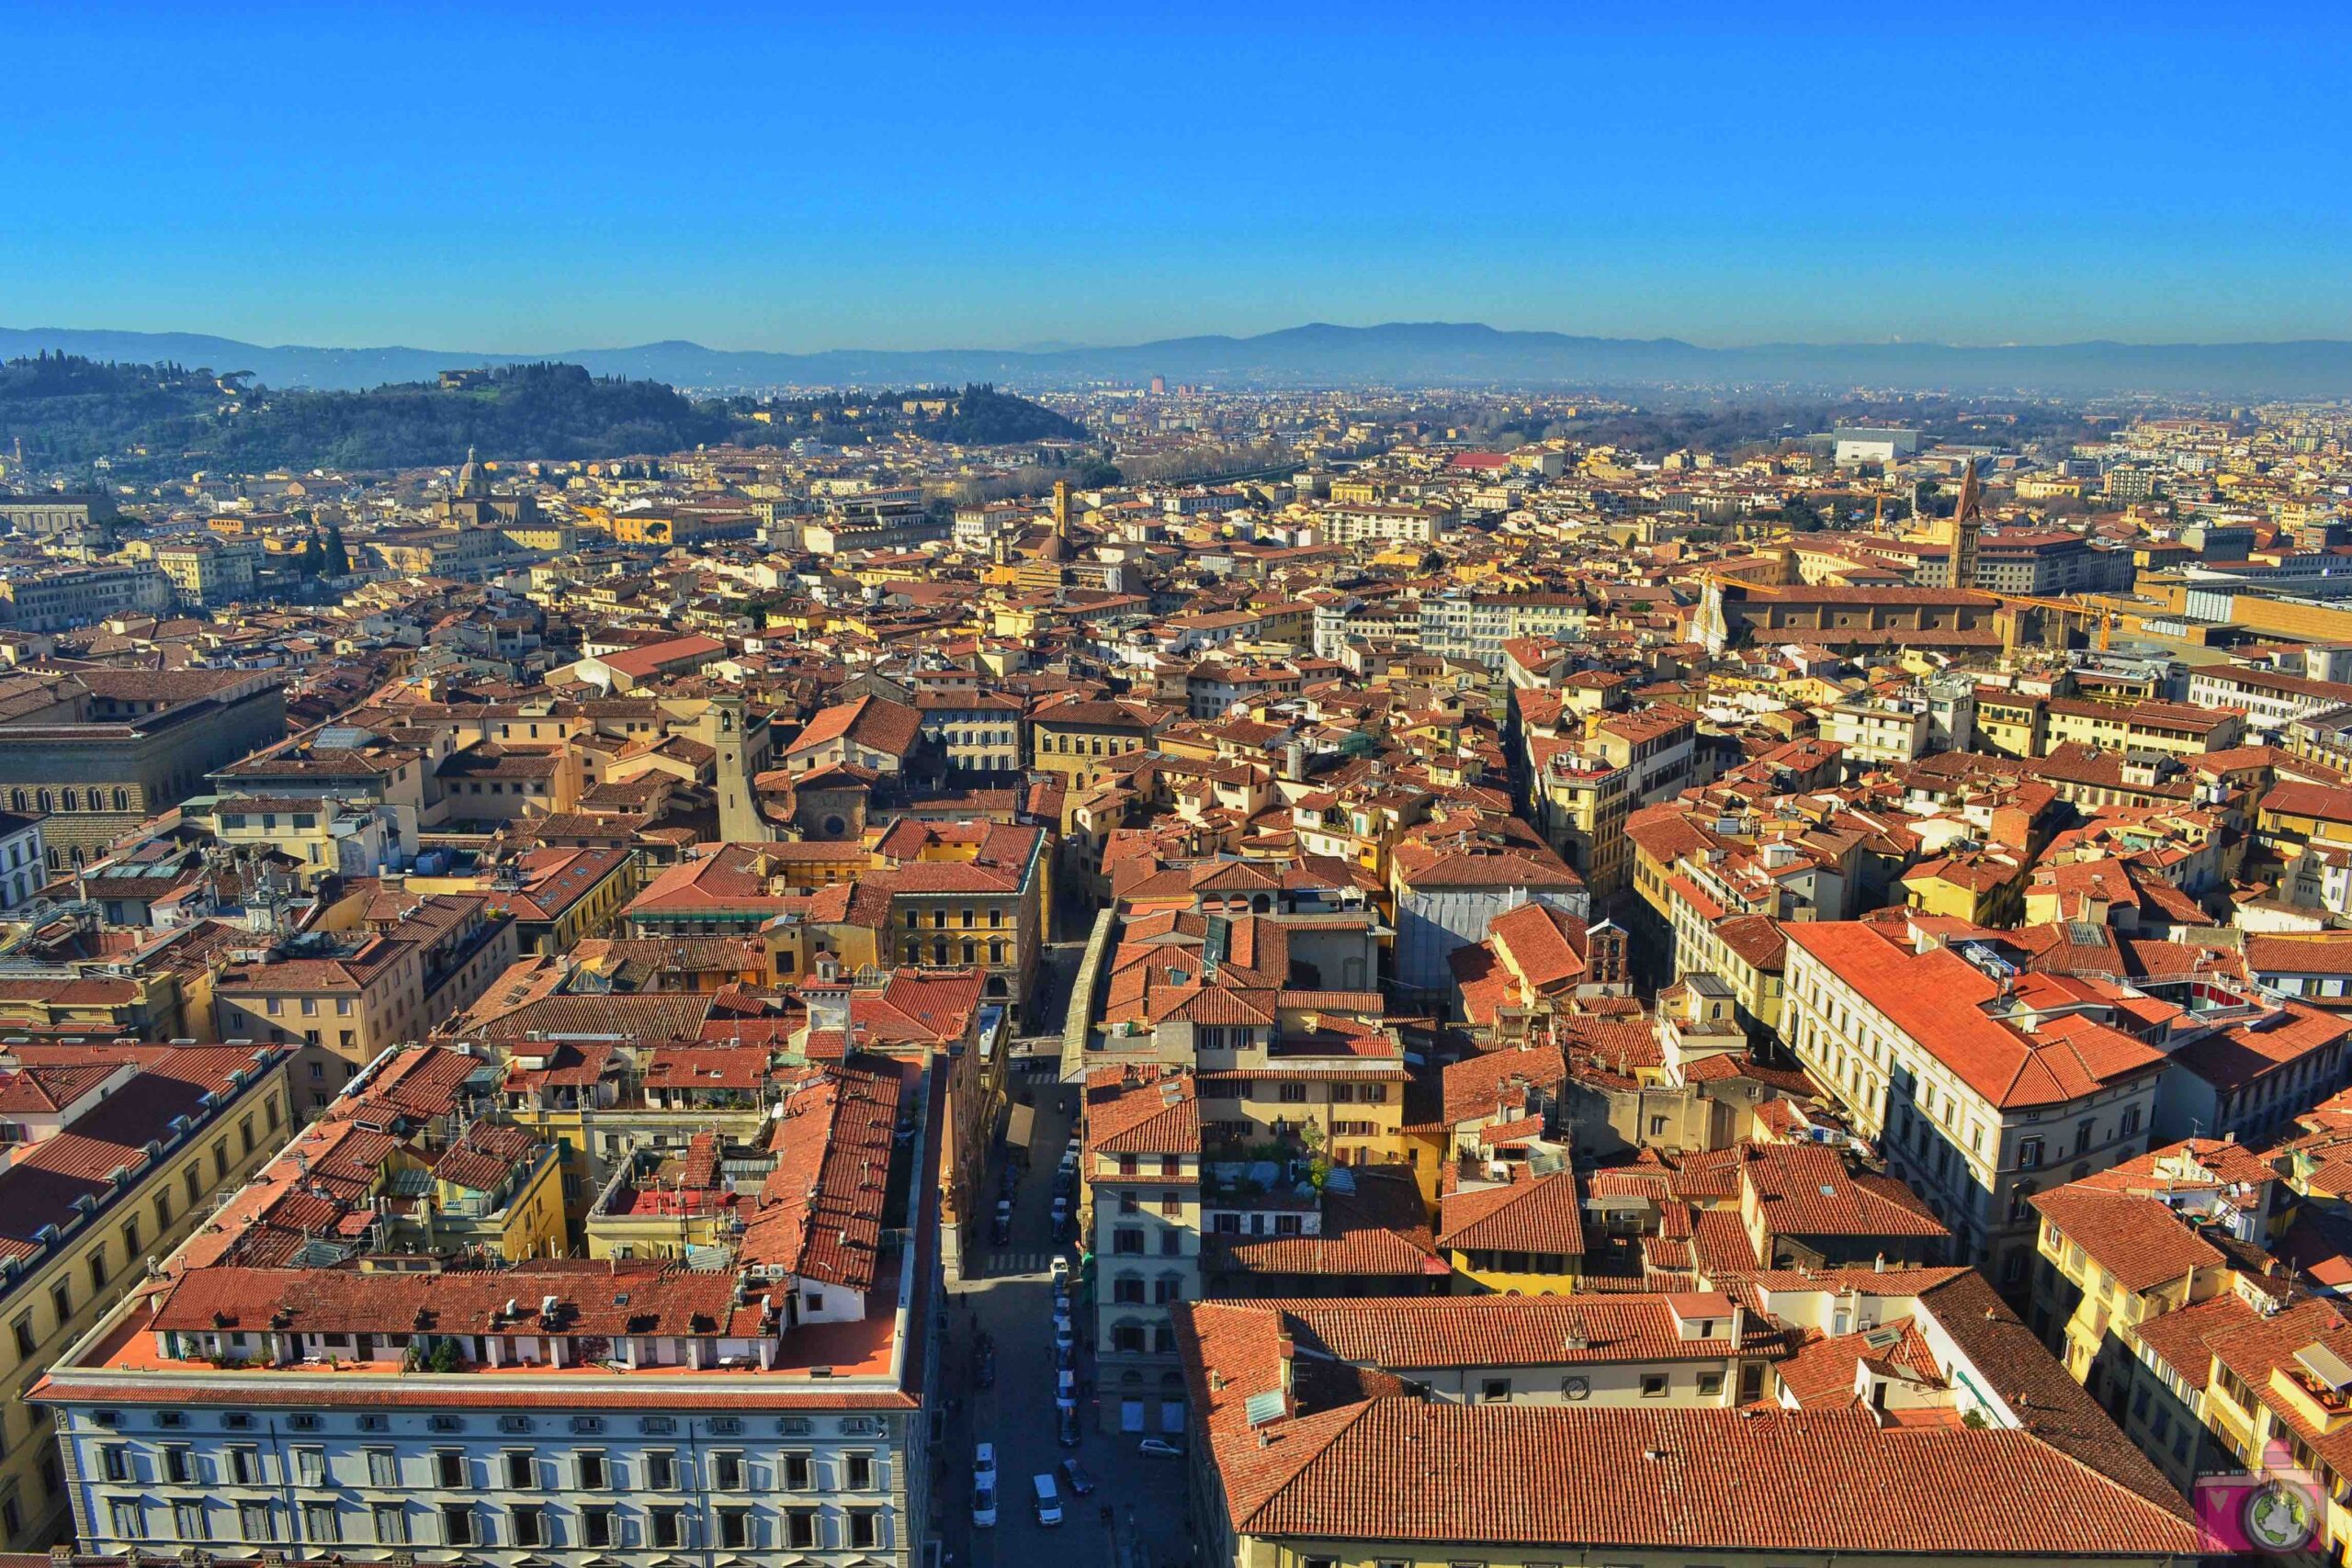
{"x": 150, "y": 421}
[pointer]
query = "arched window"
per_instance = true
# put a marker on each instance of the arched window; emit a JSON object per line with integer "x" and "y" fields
{"x": 65, "y": 801}
{"x": 16, "y": 800}
{"x": 121, "y": 798}
{"x": 44, "y": 801}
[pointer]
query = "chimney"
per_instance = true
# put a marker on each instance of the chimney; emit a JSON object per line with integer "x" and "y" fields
{"x": 1286, "y": 1349}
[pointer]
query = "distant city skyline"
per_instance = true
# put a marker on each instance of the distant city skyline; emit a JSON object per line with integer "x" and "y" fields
{"x": 936, "y": 177}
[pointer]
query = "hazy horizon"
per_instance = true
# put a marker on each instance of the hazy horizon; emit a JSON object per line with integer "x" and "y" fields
{"x": 422, "y": 343}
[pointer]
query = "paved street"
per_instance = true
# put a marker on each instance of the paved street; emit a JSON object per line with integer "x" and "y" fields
{"x": 1009, "y": 1297}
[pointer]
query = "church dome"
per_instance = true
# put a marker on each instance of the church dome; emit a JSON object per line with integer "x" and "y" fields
{"x": 472, "y": 479}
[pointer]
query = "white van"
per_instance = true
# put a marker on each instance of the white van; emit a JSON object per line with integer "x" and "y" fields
{"x": 1049, "y": 1500}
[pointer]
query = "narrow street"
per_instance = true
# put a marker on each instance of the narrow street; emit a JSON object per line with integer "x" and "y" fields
{"x": 1008, "y": 1298}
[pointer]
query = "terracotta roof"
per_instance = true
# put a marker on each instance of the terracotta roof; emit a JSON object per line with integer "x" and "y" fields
{"x": 612, "y": 1299}
{"x": 648, "y": 661}
{"x": 1542, "y": 944}
{"x": 2279, "y": 954}
{"x": 43, "y": 1181}
{"x": 1937, "y": 998}
{"x": 2238, "y": 1053}
{"x": 2141, "y": 1242}
{"x": 1485, "y": 1085}
{"x": 1378, "y": 1228}
{"x": 1128, "y": 1111}
{"x": 1696, "y": 1481}
{"x": 2317, "y": 801}
{"x": 1545, "y": 1214}
{"x": 875, "y": 723}
{"x": 819, "y": 1214}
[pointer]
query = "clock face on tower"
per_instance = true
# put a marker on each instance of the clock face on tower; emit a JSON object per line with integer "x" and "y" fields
{"x": 1574, "y": 1388}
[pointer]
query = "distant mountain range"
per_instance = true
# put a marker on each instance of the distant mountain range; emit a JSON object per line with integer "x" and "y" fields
{"x": 1408, "y": 354}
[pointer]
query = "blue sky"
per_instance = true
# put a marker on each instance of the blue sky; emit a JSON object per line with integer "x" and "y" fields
{"x": 914, "y": 175}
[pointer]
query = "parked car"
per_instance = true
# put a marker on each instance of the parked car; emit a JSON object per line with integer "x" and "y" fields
{"x": 1061, "y": 1214}
{"x": 1067, "y": 1431}
{"x": 1048, "y": 1500}
{"x": 1082, "y": 1484}
{"x": 1060, "y": 1269}
{"x": 1065, "y": 1339}
{"x": 984, "y": 1370}
{"x": 983, "y": 1507}
{"x": 984, "y": 1464}
{"x": 1160, "y": 1447}
{"x": 1065, "y": 1389}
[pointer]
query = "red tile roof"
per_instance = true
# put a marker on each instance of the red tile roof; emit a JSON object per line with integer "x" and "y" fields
{"x": 1131, "y": 1111}
{"x": 642, "y": 663}
{"x": 2141, "y": 1242}
{"x": 1699, "y": 1481}
{"x": 875, "y": 723}
{"x": 1349, "y": 1461}
{"x": 1378, "y": 1229}
{"x": 1937, "y": 998}
{"x": 820, "y": 1213}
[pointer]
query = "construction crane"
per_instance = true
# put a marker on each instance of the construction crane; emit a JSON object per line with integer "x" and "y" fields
{"x": 2054, "y": 619}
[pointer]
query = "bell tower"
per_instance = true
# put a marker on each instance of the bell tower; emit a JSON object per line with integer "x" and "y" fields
{"x": 741, "y": 744}
{"x": 1967, "y": 521}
